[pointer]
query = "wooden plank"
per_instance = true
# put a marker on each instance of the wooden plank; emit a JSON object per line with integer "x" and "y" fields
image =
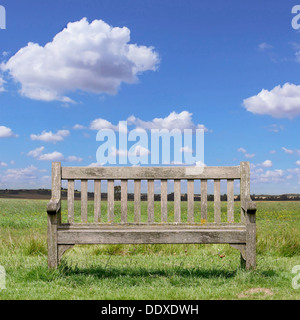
{"x": 54, "y": 220}
{"x": 217, "y": 201}
{"x": 137, "y": 200}
{"x": 71, "y": 201}
{"x": 110, "y": 200}
{"x": 139, "y": 236}
{"x": 204, "y": 200}
{"x": 164, "y": 200}
{"x": 84, "y": 201}
{"x": 244, "y": 186}
{"x": 150, "y": 201}
{"x": 146, "y": 173}
{"x": 124, "y": 197}
{"x": 177, "y": 200}
{"x": 230, "y": 201}
{"x": 97, "y": 201}
{"x": 190, "y": 199}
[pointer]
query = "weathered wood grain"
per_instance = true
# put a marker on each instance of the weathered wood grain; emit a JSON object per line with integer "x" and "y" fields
{"x": 190, "y": 199}
{"x": 204, "y": 199}
{"x": 84, "y": 199}
{"x": 217, "y": 201}
{"x": 164, "y": 200}
{"x": 137, "y": 200}
{"x": 110, "y": 201}
{"x": 230, "y": 201}
{"x": 124, "y": 197}
{"x": 97, "y": 201}
{"x": 150, "y": 201}
{"x": 177, "y": 200}
{"x": 145, "y": 173}
{"x": 70, "y": 201}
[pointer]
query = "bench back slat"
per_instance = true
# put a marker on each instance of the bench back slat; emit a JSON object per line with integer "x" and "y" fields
{"x": 137, "y": 200}
{"x": 150, "y": 199}
{"x": 146, "y": 173}
{"x": 124, "y": 197}
{"x": 97, "y": 201}
{"x": 204, "y": 200}
{"x": 217, "y": 201}
{"x": 150, "y": 174}
{"x": 70, "y": 201}
{"x": 177, "y": 200}
{"x": 230, "y": 200}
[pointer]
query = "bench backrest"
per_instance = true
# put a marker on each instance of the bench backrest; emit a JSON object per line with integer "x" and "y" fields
{"x": 98, "y": 174}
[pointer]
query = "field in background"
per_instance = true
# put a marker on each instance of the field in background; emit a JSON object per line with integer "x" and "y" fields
{"x": 147, "y": 271}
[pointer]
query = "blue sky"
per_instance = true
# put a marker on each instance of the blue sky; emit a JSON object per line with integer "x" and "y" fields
{"x": 229, "y": 66}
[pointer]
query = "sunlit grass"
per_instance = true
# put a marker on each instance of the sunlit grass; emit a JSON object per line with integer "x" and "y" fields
{"x": 146, "y": 271}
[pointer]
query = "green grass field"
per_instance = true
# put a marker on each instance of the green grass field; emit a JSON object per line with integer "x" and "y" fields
{"x": 148, "y": 271}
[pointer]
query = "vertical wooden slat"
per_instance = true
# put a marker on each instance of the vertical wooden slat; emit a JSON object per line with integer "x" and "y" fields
{"x": 204, "y": 200}
{"x": 110, "y": 200}
{"x": 71, "y": 201}
{"x": 84, "y": 202}
{"x": 97, "y": 201}
{"x": 244, "y": 186}
{"x": 217, "y": 202}
{"x": 150, "y": 201}
{"x": 164, "y": 200}
{"x": 124, "y": 197}
{"x": 137, "y": 200}
{"x": 230, "y": 200}
{"x": 177, "y": 200}
{"x": 190, "y": 199}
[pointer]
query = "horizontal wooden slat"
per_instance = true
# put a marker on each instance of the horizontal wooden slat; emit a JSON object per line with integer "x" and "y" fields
{"x": 146, "y": 173}
{"x": 143, "y": 235}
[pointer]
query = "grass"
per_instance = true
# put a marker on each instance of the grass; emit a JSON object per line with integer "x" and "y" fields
{"x": 148, "y": 271}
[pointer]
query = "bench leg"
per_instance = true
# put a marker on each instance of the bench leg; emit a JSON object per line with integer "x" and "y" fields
{"x": 52, "y": 242}
{"x": 250, "y": 242}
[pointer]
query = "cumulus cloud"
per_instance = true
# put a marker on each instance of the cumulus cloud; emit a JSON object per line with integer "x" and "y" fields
{"x": 2, "y": 84}
{"x": 50, "y": 137}
{"x": 52, "y": 156}
{"x": 3, "y": 164}
{"x": 7, "y": 132}
{"x": 267, "y": 164}
{"x": 280, "y": 102}
{"x": 93, "y": 57}
{"x": 264, "y": 46}
{"x": 247, "y": 155}
{"x": 174, "y": 120}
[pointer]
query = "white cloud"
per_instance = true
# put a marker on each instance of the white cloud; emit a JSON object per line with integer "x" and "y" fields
{"x": 280, "y": 102}
{"x": 93, "y": 57}
{"x": 298, "y": 162}
{"x": 267, "y": 164}
{"x": 174, "y": 120}
{"x": 273, "y": 151}
{"x": 6, "y": 132}
{"x": 73, "y": 159}
{"x": 53, "y": 156}
{"x": 247, "y": 155}
{"x": 2, "y": 84}
{"x": 36, "y": 152}
{"x": 275, "y": 128}
{"x": 243, "y": 150}
{"x": 264, "y": 46}
{"x": 3, "y": 164}
{"x": 288, "y": 151}
{"x": 29, "y": 173}
{"x": 186, "y": 149}
{"x": 51, "y": 137}
{"x": 78, "y": 127}
{"x": 100, "y": 124}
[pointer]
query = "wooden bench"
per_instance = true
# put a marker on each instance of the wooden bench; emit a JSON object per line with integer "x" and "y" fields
{"x": 240, "y": 235}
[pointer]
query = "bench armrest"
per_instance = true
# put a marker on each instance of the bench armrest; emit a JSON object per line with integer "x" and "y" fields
{"x": 53, "y": 206}
{"x": 249, "y": 206}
